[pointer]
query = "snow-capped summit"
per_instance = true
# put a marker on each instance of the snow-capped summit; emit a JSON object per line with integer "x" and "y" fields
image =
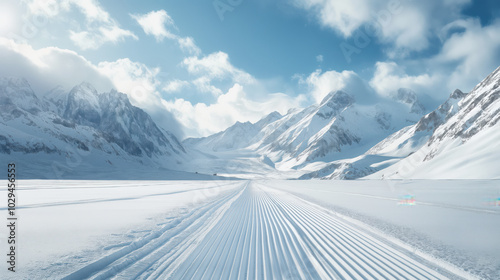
{"x": 82, "y": 105}
{"x": 437, "y": 117}
{"x": 272, "y": 117}
{"x": 131, "y": 128}
{"x": 457, "y": 94}
{"x": 409, "y": 97}
{"x": 16, "y": 93}
{"x": 333, "y": 103}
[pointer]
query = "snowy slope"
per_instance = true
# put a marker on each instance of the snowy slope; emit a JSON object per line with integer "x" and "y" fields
{"x": 79, "y": 133}
{"x": 411, "y": 138}
{"x": 340, "y": 127}
{"x": 463, "y": 142}
{"x": 393, "y": 148}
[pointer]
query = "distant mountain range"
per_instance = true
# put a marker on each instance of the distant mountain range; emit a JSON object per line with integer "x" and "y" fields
{"x": 336, "y": 129}
{"x": 82, "y": 132}
{"x": 393, "y": 137}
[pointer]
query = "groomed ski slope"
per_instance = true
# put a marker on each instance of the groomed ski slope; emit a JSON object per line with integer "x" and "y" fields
{"x": 257, "y": 232}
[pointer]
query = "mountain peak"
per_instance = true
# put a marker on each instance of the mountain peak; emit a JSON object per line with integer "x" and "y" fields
{"x": 14, "y": 82}
{"x": 85, "y": 87}
{"x": 274, "y": 114}
{"x": 406, "y": 95}
{"x": 55, "y": 94}
{"x": 17, "y": 93}
{"x": 457, "y": 94}
{"x": 409, "y": 97}
{"x": 338, "y": 97}
{"x": 272, "y": 117}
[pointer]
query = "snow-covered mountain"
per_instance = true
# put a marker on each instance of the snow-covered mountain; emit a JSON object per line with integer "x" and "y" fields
{"x": 341, "y": 138}
{"x": 458, "y": 140}
{"x": 80, "y": 132}
{"x": 396, "y": 146}
{"x": 240, "y": 135}
{"x": 346, "y": 136}
{"x": 339, "y": 127}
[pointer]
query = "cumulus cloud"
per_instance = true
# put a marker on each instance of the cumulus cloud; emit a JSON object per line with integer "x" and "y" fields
{"x": 49, "y": 67}
{"x": 469, "y": 53}
{"x": 343, "y": 16}
{"x": 100, "y": 27}
{"x": 134, "y": 79}
{"x": 389, "y": 77}
{"x": 188, "y": 45}
{"x": 404, "y": 25}
{"x": 321, "y": 83}
{"x": 215, "y": 67}
{"x": 155, "y": 23}
{"x": 475, "y": 51}
{"x": 175, "y": 86}
{"x": 96, "y": 38}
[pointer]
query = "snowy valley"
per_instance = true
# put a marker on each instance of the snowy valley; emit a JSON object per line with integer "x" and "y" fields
{"x": 346, "y": 136}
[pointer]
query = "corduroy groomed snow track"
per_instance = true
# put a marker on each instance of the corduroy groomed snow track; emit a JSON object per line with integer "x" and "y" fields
{"x": 257, "y": 232}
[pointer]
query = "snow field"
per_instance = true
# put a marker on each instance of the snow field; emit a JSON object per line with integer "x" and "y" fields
{"x": 231, "y": 230}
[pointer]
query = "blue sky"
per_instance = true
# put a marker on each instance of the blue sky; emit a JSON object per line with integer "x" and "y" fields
{"x": 199, "y": 66}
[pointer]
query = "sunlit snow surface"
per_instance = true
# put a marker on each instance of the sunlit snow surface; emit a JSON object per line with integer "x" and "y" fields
{"x": 256, "y": 230}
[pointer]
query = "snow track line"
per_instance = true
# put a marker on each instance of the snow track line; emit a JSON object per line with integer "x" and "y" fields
{"x": 166, "y": 239}
{"x": 257, "y": 232}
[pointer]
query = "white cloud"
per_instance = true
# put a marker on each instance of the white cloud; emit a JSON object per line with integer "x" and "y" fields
{"x": 402, "y": 24}
{"x": 48, "y": 8}
{"x": 203, "y": 84}
{"x": 100, "y": 27}
{"x": 475, "y": 52}
{"x": 201, "y": 119}
{"x": 319, "y": 58}
{"x": 92, "y": 10}
{"x": 96, "y": 38}
{"x": 175, "y": 86}
{"x": 49, "y": 67}
{"x": 188, "y": 45}
{"x": 215, "y": 66}
{"x": 469, "y": 53}
{"x": 389, "y": 77}
{"x": 134, "y": 79}
{"x": 321, "y": 83}
{"x": 343, "y": 16}
{"x": 155, "y": 23}
{"x": 407, "y": 31}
